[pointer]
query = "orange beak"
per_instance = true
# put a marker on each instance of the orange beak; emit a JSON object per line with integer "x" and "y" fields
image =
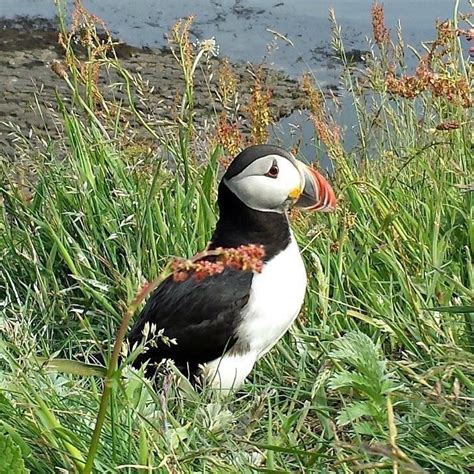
{"x": 317, "y": 194}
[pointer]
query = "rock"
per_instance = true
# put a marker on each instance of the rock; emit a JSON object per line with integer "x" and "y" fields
{"x": 27, "y": 50}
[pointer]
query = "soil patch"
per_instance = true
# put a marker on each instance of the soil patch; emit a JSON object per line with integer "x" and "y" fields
{"x": 29, "y": 87}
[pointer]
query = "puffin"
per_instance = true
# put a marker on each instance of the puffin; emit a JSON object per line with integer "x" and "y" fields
{"x": 221, "y": 325}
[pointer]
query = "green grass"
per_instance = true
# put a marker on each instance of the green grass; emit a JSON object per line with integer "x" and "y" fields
{"x": 377, "y": 375}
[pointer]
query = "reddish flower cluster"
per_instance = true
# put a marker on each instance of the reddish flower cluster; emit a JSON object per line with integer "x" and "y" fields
{"x": 228, "y": 135}
{"x": 408, "y": 87}
{"x": 381, "y": 33}
{"x": 225, "y": 161}
{"x": 199, "y": 270}
{"x": 329, "y": 133}
{"x": 448, "y": 125}
{"x": 452, "y": 86}
{"x": 81, "y": 18}
{"x": 455, "y": 89}
{"x": 445, "y": 37}
{"x": 212, "y": 262}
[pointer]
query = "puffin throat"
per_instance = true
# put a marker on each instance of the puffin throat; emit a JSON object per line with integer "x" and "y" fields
{"x": 238, "y": 225}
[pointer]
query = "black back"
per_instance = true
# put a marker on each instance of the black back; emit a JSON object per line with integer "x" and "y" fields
{"x": 201, "y": 315}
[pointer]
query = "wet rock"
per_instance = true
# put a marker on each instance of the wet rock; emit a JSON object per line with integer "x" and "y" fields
{"x": 356, "y": 55}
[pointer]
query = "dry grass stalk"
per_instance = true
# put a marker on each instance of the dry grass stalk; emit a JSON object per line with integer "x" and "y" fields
{"x": 228, "y": 135}
{"x": 227, "y": 82}
{"x": 259, "y": 110}
{"x": 179, "y": 38}
{"x": 314, "y": 100}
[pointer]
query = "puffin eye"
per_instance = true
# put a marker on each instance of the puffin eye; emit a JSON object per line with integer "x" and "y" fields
{"x": 273, "y": 171}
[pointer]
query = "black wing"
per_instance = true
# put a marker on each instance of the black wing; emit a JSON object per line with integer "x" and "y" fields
{"x": 201, "y": 315}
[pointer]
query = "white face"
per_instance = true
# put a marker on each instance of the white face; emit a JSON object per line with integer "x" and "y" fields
{"x": 270, "y": 184}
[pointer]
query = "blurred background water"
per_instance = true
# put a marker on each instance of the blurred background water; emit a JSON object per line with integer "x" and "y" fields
{"x": 243, "y": 29}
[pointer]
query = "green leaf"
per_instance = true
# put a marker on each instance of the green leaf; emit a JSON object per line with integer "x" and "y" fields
{"x": 7, "y": 429}
{"x": 10, "y": 454}
{"x": 356, "y": 410}
{"x": 74, "y": 367}
{"x": 453, "y": 309}
{"x": 369, "y": 373}
{"x": 365, "y": 428}
{"x": 345, "y": 379}
{"x": 358, "y": 350}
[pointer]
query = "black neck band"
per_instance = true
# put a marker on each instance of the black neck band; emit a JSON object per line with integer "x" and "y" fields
{"x": 240, "y": 225}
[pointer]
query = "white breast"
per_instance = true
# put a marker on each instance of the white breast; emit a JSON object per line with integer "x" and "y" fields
{"x": 276, "y": 297}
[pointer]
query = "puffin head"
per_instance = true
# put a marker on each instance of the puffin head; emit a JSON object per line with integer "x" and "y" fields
{"x": 267, "y": 178}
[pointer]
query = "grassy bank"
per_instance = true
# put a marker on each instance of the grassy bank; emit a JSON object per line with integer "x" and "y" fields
{"x": 377, "y": 375}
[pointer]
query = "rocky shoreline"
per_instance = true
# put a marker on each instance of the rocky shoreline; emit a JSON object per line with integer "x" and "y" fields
{"x": 28, "y": 48}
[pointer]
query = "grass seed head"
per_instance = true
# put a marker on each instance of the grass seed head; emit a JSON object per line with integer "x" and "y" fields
{"x": 59, "y": 69}
{"x": 227, "y": 82}
{"x": 259, "y": 110}
{"x": 380, "y": 31}
{"x": 179, "y": 38}
{"x": 228, "y": 135}
{"x": 314, "y": 100}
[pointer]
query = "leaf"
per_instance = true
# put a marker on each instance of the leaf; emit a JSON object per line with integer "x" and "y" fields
{"x": 367, "y": 373}
{"x": 453, "y": 309}
{"x": 345, "y": 379}
{"x": 4, "y": 400}
{"x": 365, "y": 428}
{"x": 356, "y": 410}
{"x": 75, "y": 367}
{"x": 359, "y": 351}
{"x": 10, "y": 455}
{"x": 176, "y": 436}
{"x": 7, "y": 429}
{"x": 376, "y": 322}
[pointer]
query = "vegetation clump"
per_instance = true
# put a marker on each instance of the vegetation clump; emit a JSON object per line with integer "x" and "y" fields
{"x": 376, "y": 375}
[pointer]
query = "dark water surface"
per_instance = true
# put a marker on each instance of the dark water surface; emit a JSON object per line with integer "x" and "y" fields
{"x": 243, "y": 29}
